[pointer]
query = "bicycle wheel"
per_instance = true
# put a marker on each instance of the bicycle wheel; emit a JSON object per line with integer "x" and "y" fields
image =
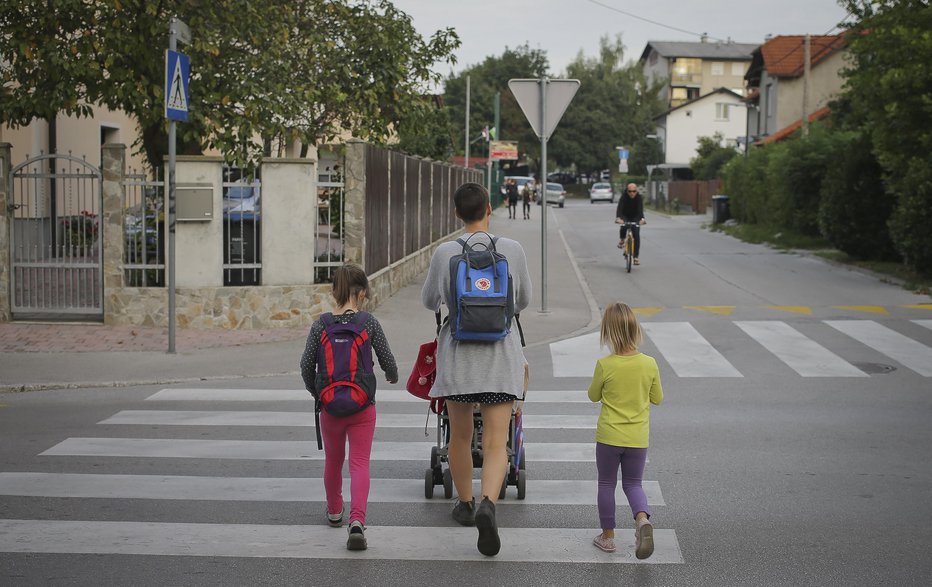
{"x": 629, "y": 251}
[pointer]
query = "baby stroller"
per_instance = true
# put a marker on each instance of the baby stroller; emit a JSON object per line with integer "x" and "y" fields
{"x": 437, "y": 474}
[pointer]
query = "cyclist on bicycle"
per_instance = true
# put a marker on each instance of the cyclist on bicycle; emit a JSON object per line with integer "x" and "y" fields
{"x": 631, "y": 209}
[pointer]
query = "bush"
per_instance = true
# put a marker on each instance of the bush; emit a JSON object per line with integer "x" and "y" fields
{"x": 745, "y": 181}
{"x": 854, "y": 208}
{"x": 910, "y": 222}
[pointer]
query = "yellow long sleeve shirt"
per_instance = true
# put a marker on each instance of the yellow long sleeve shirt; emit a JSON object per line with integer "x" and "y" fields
{"x": 626, "y": 386}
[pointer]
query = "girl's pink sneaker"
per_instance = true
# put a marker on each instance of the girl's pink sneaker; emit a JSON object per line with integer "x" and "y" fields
{"x": 604, "y": 544}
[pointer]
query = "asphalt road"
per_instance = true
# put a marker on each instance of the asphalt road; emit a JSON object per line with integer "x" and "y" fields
{"x": 771, "y": 462}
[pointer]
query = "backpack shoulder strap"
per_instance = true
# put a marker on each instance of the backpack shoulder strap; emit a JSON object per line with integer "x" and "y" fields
{"x": 361, "y": 317}
{"x": 326, "y": 318}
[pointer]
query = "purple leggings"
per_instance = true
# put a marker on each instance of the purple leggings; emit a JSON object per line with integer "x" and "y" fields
{"x": 632, "y": 461}
{"x": 359, "y": 429}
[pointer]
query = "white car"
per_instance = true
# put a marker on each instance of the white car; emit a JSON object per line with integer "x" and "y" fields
{"x": 601, "y": 191}
{"x": 556, "y": 195}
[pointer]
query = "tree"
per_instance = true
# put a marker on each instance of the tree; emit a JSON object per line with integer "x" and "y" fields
{"x": 887, "y": 92}
{"x": 613, "y": 107}
{"x": 710, "y": 157}
{"x": 300, "y": 70}
{"x": 485, "y": 80}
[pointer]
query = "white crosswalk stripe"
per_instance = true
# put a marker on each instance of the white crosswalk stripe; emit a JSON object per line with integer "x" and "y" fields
{"x": 904, "y": 350}
{"x": 300, "y": 395}
{"x": 306, "y": 419}
{"x": 564, "y": 545}
{"x": 690, "y": 353}
{"x": 281, "y": 450}
{"x": 442, "y": 542}
{"x": 565, "y": 492}
{"x": 804, "y": 355}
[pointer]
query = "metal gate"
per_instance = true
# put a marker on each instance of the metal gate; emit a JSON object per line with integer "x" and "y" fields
{"x": 56, "y": 241}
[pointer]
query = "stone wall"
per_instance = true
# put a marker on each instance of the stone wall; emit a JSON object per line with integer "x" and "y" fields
{"x": 241, "y": 307}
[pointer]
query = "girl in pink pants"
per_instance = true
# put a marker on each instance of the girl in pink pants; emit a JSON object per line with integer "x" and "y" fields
{"x": 359, "y": 429}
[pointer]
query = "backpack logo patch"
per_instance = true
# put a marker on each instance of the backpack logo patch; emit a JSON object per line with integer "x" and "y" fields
{"x": 483, "y": 284}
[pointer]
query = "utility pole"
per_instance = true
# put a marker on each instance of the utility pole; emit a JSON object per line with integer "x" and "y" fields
{"x": 806, "y": 68}
{"x": 466, "y": 164}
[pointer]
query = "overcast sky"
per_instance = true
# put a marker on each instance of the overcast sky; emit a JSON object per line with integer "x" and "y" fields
{"x": 564, "y": 27}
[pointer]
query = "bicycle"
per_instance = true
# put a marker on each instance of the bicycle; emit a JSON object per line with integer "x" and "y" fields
{"x": 629, "y": 244}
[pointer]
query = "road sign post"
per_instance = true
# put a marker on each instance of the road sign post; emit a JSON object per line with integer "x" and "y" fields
{"x": 177, "y": 99}
{"x": 543, "y": 102}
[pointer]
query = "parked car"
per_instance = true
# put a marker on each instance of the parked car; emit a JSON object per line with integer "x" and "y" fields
{"x": 556, "y": 195}
{"x": 601, "y": 191}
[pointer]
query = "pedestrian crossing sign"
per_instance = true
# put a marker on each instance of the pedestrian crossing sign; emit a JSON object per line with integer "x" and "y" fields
{"x": 176, "y": 86}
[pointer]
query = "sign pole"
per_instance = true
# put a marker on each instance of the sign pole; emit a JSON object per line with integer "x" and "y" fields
{"x": 172, "y": 46}
{"x": 543, "y": 195}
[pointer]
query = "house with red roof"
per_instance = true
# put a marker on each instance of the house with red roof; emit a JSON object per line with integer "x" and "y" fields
{"x": 776, "y": 83}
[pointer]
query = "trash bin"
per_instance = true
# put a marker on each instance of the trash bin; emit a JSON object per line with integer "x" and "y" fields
{"x": 720, "y": 210}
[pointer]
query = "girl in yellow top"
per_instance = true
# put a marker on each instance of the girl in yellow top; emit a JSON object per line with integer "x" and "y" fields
{"x": 626, "y": 382}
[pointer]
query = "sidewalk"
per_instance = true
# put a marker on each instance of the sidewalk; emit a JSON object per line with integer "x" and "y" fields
{"x": 46, "y": 356}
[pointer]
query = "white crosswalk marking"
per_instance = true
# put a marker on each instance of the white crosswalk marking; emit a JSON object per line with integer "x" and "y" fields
{"x": 564, "y": 545}
{"x": 567, "y": 492}
{"x": 802, "y": 354}
{"x": 282, "y": 450}
{"x": 306, "y": 419}
{"x": 316, "y": 541}
{"x": 689, "y": 354}
{"x": 382, "y": 395}
{"x": 902, "y": 349}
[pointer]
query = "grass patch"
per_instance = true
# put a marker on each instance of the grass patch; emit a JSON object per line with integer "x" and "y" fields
{"x": 775, "y": 236}
{"x": 890, "y": 271}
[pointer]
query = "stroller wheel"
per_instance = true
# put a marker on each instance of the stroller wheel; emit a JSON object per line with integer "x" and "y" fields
{"x": 523, "y": 459}
{"x": 522, "y": 483}
{"x": 434, "y": 456}
{"x": 447, "y": 484}
{"x": 429, "y": 484}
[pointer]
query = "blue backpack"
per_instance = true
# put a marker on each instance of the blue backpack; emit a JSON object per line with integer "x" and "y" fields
{"x": 345, "y": 382}
{"x": 482, "y": 296}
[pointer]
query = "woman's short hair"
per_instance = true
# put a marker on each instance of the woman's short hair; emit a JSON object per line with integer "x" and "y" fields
{"x": 621, "y": 331}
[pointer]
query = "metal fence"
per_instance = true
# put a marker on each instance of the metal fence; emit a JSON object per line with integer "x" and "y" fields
{"x": 242, "y": 227}
{"x": 144, "y": 229}
{"x": 328, "y": 228}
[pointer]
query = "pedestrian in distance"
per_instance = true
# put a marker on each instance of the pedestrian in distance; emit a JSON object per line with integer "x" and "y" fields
{"x": 527, "y": 193}
{"x": 350, "y": 291}
{"x": 491, "y": 374}
{"x": 631, "y": 209}
{"x": 511, "y": 191}
{"x": 626, "y": 382}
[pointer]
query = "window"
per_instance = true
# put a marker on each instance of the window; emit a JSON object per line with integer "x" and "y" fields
{"x": 737, "y": 68}
{"x": 687, "y": 71}
{"x": 718, "y": 68}
{"x": 721, "y": 110}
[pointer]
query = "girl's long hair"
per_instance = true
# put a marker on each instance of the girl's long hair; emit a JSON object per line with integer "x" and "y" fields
{"x": 348, "y": 281}
{"x": 621, "y": 331}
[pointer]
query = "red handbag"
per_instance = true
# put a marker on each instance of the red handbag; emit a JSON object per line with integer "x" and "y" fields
{"x": 424, "y": 371}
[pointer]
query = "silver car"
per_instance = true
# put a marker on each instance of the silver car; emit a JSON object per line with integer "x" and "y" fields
{"x": 556, "y": 195}
{"x": 601, "y": 191}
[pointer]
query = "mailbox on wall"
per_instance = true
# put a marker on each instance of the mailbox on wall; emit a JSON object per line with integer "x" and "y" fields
{"x": 193, "y": 204}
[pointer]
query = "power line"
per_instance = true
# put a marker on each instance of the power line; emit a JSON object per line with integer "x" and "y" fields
{"x": 654, "y": 22}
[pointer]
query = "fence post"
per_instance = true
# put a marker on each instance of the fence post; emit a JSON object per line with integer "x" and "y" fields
{"x": 6, "y": 151}
{"x": 354, "y": 204}
{"x": 113, "y": 171}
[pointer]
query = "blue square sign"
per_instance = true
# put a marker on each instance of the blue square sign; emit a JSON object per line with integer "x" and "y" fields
{"x": 176, "y": 86}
